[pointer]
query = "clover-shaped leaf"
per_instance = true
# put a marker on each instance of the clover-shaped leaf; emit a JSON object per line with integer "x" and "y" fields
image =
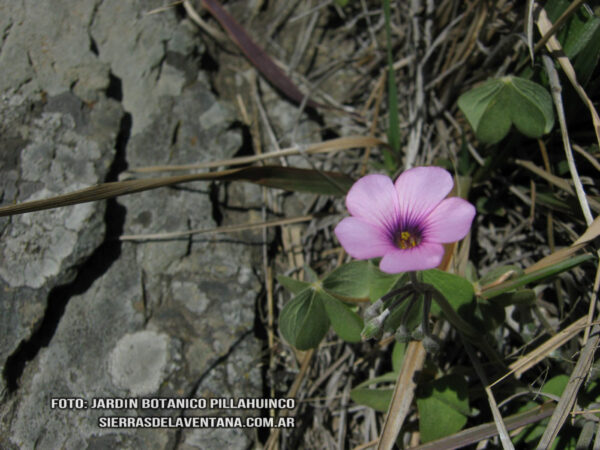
{"x": 458, "y": 291}
{"x": 359, "y": 280}
{"x": 443, "y": 407}
{"x": 303, "y": 321}
{"x": 346, "y": 323}
{"x": 292, "y": 285}
{"x": 377, "y": 398}
{"x": 494, "y": 106}
{"x": 350, "y": 280}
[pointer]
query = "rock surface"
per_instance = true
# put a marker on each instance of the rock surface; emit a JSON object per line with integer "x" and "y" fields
{"x": 88, "y": 89}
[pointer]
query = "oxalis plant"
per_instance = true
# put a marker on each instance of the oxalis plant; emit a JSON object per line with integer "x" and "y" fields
{"x": 406, "y": 224}
{"x": 398, "y": 235}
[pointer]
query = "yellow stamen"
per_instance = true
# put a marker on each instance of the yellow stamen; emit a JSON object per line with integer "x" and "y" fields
{"x": 407, "y": 240}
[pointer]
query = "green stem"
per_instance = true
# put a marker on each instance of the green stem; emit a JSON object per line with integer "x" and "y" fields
{"x": 474, "y": 336}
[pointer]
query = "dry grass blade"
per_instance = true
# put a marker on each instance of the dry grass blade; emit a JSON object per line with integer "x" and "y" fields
{"x": 271, "y": 443}
{"x": 581, "y": 371}
{"x": 305, "y": 357}
{"x": 213, "y": 32}
{"x": 99, "y": 192}
{"x": 592, "y": 305}
{"x": 404, "y": 392}
{"x": 558, "y": 103}
{"x": 369, "y": 444}
{"x": 544, "y": 25}
{"x": 330, "y": 146}
{"x": 289, "y": 178}
{"x": 498, "y": 420}
{"x": 164, "y": 8}
{"x": 488, "y": 430}
{"x": 592, "y": 232}
{"x": 529, "y": 27}
{"x": 559, "y": 23}
{"x": 256, "y": 55}
{"x": 223, "y": 229}
{"x": 560, "y": 255}
{"x": 557, "y": 181}
{"x": 568, "y": 397}
{"x": 593, "y": 161}
{"x": 529, "y": 360}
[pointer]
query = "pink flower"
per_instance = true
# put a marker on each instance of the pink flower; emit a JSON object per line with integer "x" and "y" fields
{"x": 405, "y": 222}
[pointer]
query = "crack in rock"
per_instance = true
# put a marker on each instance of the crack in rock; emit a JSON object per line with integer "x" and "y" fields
{"x": 108, "y": 311}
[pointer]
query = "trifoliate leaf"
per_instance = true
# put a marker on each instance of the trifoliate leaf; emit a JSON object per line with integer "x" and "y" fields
{"x": 303, "y": 321}
{"x": 346, "y": 323}
{"x": 349, "y": 280}
{"x": 377, "y": 398}
{"x": 458, "y": 291}
{"x": 494, "y": 106}
{"x": 443, "y": 407}
{"x": 291, "y": 284}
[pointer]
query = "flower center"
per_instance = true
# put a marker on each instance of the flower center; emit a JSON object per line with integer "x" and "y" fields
{"x": 407, "y": 239}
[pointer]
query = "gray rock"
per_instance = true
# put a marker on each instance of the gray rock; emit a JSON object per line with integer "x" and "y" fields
{"x": 46, "y": 45}
{"x": 136, "y": 45}
{"x": 171, "y": 318}
{"x": 225, "y": 381}
{"x": 77, "y": 363}
{"x": 61, "y": 147}
{"x": 139, "y": 361}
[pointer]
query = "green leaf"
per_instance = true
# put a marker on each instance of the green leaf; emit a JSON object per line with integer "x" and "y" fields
{"x": 350, "y": 280}
{"x": 470, "y": 272}
{"x": 491, "y": 315}
{"x": 556, "y": 385}
{"x": 492, "y": 107}
{"x": 533, "y": 432}
{"x": 498, "y": 272}
{"x": 380, "y": 283}
{"x": 555, "y": 8}
{"x": 581, "y": 32}
{"x": 580, "y": 38}
{"x": 292, "y": 285}
{"x": 346, "y": 323}
{"x": 443, "y": 407}
{"x": 536, "y": 275}
{"x": 531, "y": 107}
{"x": 522, "y": 297}
{"x": 486, "y": 110}
{"x": 303, "y": 321}
{"x": 458, "y": 291}
{"x": 379, "y": 398}
{"x": 389, "y": 377}
{"x": 359, "y": 279}
{"x": 587, "y": 58}
{"x": 311, "y": 275}
{"x": 398, "y": 355}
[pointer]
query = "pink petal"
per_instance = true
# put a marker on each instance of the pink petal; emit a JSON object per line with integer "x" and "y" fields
{"x": 363, "y": 240}
{"x": 420, "y": 190}
{"x": 426, "y": 255}
{"x": 450, "y": 221}
{"x": 373, "y": 199}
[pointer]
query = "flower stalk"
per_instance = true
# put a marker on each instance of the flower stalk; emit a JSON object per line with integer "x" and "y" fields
{"x": 415, "y": 289}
